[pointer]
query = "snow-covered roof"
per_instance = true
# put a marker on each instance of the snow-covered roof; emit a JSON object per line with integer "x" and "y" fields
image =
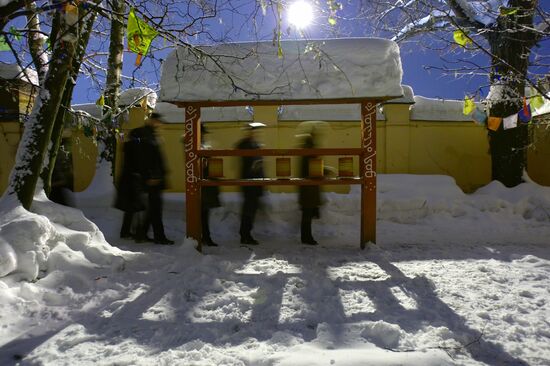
{"x": 135, "y": 95}
{"x": 172, "y": 114}
{"x": 308, "y": 70}
{"x": 91, "y": 108}
{"x": 407, "y": 98}
{"x": 325, "y": 112}
{"x": 14, "y": 72}
{"x": 428, "y": 109}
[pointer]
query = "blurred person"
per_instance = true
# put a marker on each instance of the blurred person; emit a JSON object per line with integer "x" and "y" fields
{"x": 309, "y": 196}
{"x": 61, "y": 186}
{"x": 251, "y": 168}
{"x": 152, "y": 170}
{"x": 131, "y": 193}
{"x": 210, "y": 195}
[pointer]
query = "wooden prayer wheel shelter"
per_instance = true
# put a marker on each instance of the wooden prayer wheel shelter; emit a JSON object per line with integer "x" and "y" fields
{"x": 364, "y": 71}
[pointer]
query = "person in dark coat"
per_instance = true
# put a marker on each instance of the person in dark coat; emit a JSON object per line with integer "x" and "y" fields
{"x": 309, "y": 197}
{"x": 152, "y": 170}
{"x": 251, "y": 168}
{"x": 210, "y": 196}
{"x": 62, "y": 177}
{"x": 131, "y": 193}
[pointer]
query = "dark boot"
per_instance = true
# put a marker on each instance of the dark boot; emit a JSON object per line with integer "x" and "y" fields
{"x": 305, "y": 228}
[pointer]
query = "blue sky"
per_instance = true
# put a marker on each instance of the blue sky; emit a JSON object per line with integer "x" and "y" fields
{"x": 420, "y": 57}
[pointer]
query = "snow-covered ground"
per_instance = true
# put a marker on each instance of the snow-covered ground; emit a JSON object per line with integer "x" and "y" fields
{"x": 454, "y": 279}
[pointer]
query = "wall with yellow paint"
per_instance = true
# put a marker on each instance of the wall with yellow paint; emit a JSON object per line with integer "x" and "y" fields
{"x": 455, "y": 148}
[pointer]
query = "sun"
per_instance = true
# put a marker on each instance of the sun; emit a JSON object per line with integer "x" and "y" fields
{"x": 300, "y": 14}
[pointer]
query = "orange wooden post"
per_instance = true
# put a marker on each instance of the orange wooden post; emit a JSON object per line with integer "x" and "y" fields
{"x": 367, "y": 169}
{"x": 192, "y": 173}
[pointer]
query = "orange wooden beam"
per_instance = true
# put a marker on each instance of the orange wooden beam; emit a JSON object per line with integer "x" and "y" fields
{"x": 280, "y": 182}
{"x": 281, "y": 152}
{"x": 367, "y": 170}
{"x": 192, "y": 174}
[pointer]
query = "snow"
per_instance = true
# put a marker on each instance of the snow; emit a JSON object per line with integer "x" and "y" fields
{"x": 14, "y": 71}
{"x": 430, "y": 109}
{"x": 5, "y": 2}
{"x": 455, "y": 279}
{"x": 323, "y": 69}
{"x": 173, "y": 114}
{"x": 325, "y": 112}
{"x": 135, "y": 95}
{"x": 486, "y": 12}
{"x": 91, "y": 108}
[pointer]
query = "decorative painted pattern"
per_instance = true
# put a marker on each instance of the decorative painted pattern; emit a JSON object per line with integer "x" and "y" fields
{"x": 191, "y": 157}
{"x": 368, "y": 143}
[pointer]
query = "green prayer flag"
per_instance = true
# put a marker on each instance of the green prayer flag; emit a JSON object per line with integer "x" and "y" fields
{"x": 537, "y": 101}
{"x": 469, "y": 105}
{"x": 140, "y": 34}
{"x": 3, "y": 44}
{"x": 15, "y": 33}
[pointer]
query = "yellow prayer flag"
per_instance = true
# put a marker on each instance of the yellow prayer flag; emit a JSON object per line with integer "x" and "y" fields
{"x": 469, "y": 105}
{"x": 100, "y": 101}
{"x": 504, "y": 11}
{"x": 494, "y": 123}
{"x": 461, "y": 38}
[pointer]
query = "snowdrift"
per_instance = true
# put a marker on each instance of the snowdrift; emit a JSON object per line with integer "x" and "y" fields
{"x": 52, "y": 238}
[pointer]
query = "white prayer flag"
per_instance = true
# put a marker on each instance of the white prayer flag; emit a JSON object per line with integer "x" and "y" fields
{"x": 510, "y": 121}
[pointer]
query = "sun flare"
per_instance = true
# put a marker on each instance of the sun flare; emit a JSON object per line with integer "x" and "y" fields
{"x": 300, "y": 14}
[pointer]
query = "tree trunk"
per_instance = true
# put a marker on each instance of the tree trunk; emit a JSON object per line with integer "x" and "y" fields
{"x": 38, "y": 129}
{"x": 36, "y": 41}
{"x": 85, "y": 30}
{"x": 510, "y": 43}
{"x": 112, "y": 89}
{"x": 116, "y": 49}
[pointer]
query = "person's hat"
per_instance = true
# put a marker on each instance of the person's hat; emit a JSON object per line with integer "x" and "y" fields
{"x": 254, "y": 125}
{"x": 156, "y": 115}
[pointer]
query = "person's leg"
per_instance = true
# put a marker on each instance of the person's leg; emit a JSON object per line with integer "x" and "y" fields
{"x": 248, "y": 212}
{"x": 145, "y": 223}
{"x": 206, "y": 239}
{"x": 306, "y": 235}
{"x": 155, "y": 216}
{"x": 126, "y": 229}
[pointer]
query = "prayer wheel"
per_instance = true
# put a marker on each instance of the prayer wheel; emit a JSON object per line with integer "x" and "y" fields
{"x": 215, "y": 168}
{"x": 345, "y": 167}
{"x": 283, "y": 167}
{"x": 316, "y": 168}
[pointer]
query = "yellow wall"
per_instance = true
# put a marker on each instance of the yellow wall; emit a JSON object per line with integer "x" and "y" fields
{"x": 10, "y": 135}
{"x": 458, "y": 149}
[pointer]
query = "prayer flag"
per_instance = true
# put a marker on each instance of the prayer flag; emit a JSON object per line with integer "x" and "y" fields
{"x": 100, "y": 101}
{"x": 493, "y": 123}
{"x": 510, "y": 121}
{"x": 461, "y": 38}
{"x": 140, "y": 35}
{"x": 537, "y": 100}
{"x": 469, "y": 105}
{"x": 479, "y": 117}
{"x": 3, "y": 44}
{"x": 524, "y": 114}
{"x": 504, "y": 11}
{"x": 15, "y": 33}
